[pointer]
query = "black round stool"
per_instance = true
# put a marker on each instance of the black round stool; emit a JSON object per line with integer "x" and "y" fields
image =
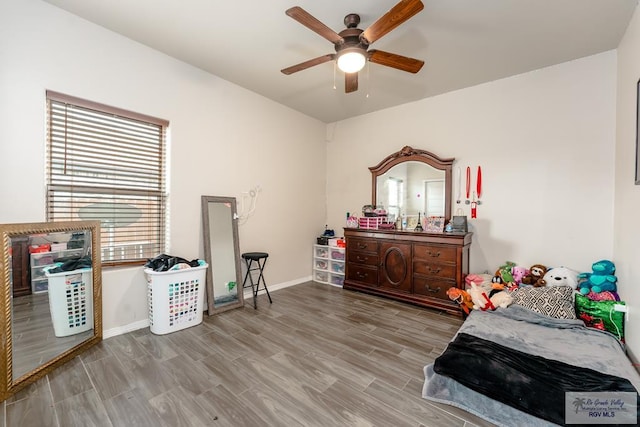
{"x": 260, "y": 259}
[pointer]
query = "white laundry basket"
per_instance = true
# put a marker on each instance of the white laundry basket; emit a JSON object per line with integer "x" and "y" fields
{"x": 175, "y": 298}
{"x": 71, "y": 301}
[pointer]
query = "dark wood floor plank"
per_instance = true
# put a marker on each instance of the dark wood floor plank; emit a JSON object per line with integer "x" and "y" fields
{"x": 36, "y": 409}
{"x": 177, "y": 407}
{"x": 224, "y": 404}
{"x": 131, "y": 409}
{"x": 69, "y": 380}
{"x": 108, "y": 376}
{"x": 272, "y": 408}
{"x": 367, "y": 407}
{"x": 393, "y": 376}
{"x": 85, "y": 409}
{"x": 228, "y": 372}
{"x": 151, "y": 377}
{"x": 190, "y": 375}
{"x": 412, "y": 407}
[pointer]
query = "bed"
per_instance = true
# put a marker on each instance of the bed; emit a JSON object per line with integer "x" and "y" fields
{"x": 512, "y": 366}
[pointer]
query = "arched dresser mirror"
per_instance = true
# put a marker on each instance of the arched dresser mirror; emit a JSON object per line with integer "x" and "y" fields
{"x": 222, "y": 253}
{"x": 410, "y": 264}
{"x": 40, "y": 328}
{"x": 411, "y": 181}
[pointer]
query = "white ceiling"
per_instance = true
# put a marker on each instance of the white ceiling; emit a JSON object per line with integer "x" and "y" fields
{"x": 463, "y": 43}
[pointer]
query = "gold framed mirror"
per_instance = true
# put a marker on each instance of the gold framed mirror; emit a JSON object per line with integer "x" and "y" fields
{"x": 222, "y": 253}
{"x": 401, "y": 178}
{"x": 50, "y": 298}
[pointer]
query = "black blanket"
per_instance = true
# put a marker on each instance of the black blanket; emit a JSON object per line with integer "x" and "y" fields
{"x": 529, "y": 383}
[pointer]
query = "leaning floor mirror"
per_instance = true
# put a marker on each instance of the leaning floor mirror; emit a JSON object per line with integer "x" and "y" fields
{"x": 222, "y": 253}
{"x": 50, "y": 298}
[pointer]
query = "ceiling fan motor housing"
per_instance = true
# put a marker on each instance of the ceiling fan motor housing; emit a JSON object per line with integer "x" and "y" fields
{"x": 351, "y": 39}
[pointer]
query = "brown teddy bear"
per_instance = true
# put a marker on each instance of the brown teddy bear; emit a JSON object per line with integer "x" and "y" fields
{"x": 535, "y": 276}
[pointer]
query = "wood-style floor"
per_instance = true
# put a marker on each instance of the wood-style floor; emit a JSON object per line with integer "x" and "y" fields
{"x": 34, "y": 338}
{"x": 318, "y": 356}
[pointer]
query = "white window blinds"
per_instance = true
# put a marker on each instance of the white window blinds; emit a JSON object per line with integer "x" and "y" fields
{"x": 108, "y": 164}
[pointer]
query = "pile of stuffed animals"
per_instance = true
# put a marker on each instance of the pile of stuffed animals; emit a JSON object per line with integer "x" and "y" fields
{"x": 488, "y": 292}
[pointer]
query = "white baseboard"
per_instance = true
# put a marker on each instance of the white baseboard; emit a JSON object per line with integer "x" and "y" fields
{"x": 125, "y": 329}
{"x": 112, "y": 332}
{"x": 247, "y": 291}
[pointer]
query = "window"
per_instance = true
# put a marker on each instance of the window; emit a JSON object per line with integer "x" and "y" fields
{"x": 108, "y": 164}
{"x": 395, "y": 190}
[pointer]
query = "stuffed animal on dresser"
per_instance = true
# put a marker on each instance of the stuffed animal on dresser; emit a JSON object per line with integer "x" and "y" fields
{"x": 535, "y": 276}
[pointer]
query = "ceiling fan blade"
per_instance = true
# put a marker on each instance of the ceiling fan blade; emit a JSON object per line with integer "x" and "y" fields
{"x": 390, "y": 20}
{"x": 393, "y": 60}
{"x": 308, "y": 64}
{"x": 350, "y": 82}
{"x": 305, "y": 18}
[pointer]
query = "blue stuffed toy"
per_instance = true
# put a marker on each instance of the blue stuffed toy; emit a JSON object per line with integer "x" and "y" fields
{"x": 601, "y": 279}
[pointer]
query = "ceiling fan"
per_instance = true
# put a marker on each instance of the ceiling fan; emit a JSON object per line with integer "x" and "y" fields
{"x": 352, "y": 43}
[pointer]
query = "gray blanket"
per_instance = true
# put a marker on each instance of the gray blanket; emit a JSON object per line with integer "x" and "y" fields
{"x": 567, "y": 341}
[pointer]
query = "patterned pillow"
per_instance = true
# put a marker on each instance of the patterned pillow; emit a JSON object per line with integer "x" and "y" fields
{"x": 552, "y": 301}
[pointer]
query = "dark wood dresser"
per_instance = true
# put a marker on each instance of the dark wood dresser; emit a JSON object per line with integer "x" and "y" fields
{"x": 414, "y": 267}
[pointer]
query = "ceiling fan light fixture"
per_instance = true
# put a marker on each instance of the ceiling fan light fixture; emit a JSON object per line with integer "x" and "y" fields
{"x": 351, "y": 60}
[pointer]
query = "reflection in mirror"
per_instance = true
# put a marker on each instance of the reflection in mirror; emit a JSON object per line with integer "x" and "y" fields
{"x": 411, "y": 181}
{"x": 51, "y": 286}
{"x": 222, "y": 253}
{"x": 411, "y": 187}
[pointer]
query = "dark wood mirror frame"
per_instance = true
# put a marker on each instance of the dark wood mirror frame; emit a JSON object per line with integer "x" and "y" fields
{"x": 407, "y": 154}
{"x": 9, "y": 385}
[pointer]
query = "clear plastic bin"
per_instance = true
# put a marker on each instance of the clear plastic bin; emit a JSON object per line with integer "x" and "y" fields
{"x": 322, "y": 251}
{"x": 175, "y": 298}
{"x": 337, "y": 253}
{"x": 337, "y": 267}
{"x": 321, "y": 276}
{"x": 71, "y": 301}
{"x": 321, "y": 264}
{"x": 336, "y": 279}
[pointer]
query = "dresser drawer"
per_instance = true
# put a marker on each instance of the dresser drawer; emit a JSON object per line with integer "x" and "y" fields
{"x": 428, "y": 268}
{"x": 433, "y": 287}
{"x": 434, "y": 253}
{"x": 359, "y": 257}
{"x": 365, "y": 245}
{"x": 363, "y": 274}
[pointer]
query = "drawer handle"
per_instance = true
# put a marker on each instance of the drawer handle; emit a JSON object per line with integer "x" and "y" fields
{"x": 362, "y": 275}
{"x": 359, "y": 258}
{"x": 362, "y": 246}
{"x": 435, "y": 270}
{"x": 433, "y": 290}
{"x": 433, "y": 254}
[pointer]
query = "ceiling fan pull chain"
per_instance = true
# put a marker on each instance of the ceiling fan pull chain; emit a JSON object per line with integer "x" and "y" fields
{"x": 334, "y": 75}
{"x": 368, "y": 80}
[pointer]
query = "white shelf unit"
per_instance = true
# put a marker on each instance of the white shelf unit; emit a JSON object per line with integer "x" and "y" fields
{"x": 328, "y": 264}
{"x": 40, "y": 260}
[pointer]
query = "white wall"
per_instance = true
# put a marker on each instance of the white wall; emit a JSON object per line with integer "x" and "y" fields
{"x": 224, "y": 141}
{"x": 546, "y": 144}
{"x": 627, "y": 194}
